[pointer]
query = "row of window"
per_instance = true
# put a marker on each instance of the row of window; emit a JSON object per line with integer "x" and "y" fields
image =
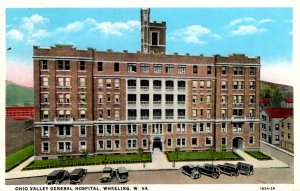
{"x": 131, "y": 129}
{"x": 236, "y": 85}
{"x": 145, "y": 68}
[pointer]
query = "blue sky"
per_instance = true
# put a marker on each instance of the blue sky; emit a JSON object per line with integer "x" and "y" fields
{"x": 265, "y": 32}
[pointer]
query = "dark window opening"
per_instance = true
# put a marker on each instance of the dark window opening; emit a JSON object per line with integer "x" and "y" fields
{"x": 116, "y": 66}
{"x": 154, "y": 38}
{"x": 100, "y": 66}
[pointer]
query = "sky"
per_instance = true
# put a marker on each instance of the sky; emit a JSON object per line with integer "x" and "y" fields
{"x": 264, "y": 32}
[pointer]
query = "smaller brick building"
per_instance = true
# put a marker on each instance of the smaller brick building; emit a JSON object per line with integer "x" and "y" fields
{"x": 20, "y": 113}
{"x": 287, "y": 133}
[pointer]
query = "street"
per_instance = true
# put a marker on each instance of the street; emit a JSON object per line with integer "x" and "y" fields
{"x": 261, "y": 176}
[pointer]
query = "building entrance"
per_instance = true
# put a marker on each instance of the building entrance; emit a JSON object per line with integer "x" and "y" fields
{"x": 238, "y": 143}
{"x": 157, "y": 143}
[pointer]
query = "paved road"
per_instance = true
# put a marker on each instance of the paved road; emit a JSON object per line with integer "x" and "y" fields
{"x": 261, "y": 176}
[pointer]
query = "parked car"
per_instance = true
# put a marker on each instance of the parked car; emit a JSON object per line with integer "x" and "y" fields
{"x": 212, "y": 168}
{"x": 57, "y": 176}
{"x": 77, "y": 175}
{"x": 206, "y": 171}
{"x": 229, "y": 169}
{"x": 122, "y": 174}
{"x": 246, "y": 169}
{"x": 190, "y": 170}
{"x": 107, "y": 174}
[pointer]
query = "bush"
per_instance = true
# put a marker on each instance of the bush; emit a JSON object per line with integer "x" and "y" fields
{"x": 258, "y": 155}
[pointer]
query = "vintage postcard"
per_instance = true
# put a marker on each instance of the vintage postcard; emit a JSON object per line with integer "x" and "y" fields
{"x": 149, "y": 98}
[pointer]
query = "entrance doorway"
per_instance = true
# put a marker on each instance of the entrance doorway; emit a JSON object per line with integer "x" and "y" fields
{"x": 238, "y": 143}
{"x": 269, "y": 139}
{"x": 157, "y": 143}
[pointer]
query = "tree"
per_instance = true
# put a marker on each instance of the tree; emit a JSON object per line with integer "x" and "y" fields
{"x": 141, "y": 151}
{"x": 211, "y": 150}
{"x": 176, "y": 151}
{"x": 63, "y": 159}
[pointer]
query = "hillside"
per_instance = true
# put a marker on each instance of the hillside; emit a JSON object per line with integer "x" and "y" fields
{"x": 18, "y": 95}
{"x": 275, "y": 91}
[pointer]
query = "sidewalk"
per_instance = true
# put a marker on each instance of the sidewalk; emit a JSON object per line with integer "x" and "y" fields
{"x": 159, "y": 162}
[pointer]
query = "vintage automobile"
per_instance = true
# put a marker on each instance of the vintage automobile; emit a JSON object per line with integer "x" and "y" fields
{"x": 190, "y": 170}
{"x": 212, "y": 168}
{"x": 229, "y": 169}
{"x": 107, "y": 174}
{"x": 122, "y": 174}
{"x": 57, "y": 176}
{"x": 77, "y": 175}
{"x": 246, "y": 169}
{"x": 208, "y": 171}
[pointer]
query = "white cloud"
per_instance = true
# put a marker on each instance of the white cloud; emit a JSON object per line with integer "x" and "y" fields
{"x": 240, "y": 20}
{"x": 29, "y": 23}
{"x": 247, "y": 30}
{"x": 72, "y": 27}
{"x": 265, "y": 21}
{"x": 41, "y": 33}
{"x": 15, "y": 35}
{"x": 193, "y": 34}
{"x": 109, "y": 28}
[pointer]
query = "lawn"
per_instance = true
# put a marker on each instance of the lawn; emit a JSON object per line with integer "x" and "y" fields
{"x": 89, "y": 160}
{"x": 258, "y": 155}
{"x": 203, "y": 156}
{"x": 16, "y": 158}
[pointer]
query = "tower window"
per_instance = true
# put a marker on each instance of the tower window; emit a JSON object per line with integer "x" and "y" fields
{"x": 154, "y": 38}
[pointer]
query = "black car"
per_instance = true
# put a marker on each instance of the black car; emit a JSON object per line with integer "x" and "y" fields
{"x": 229, "y": 169}
{"x": 212, "y": 168}
{"x": 77, "y": 175}
{"x": 246, "y": 169}
{"x": 57, "y": 176}
{"x": 190, "y": 170}
{"x": 208, "y": 172}
{"x": 122, "y": 174}
{"x": 107, "y": 174}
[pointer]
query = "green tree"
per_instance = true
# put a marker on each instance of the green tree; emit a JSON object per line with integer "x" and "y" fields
{"x": 63, "y": 159}
{"x": 141, "y": 151}
{"x": 211, "y": 150}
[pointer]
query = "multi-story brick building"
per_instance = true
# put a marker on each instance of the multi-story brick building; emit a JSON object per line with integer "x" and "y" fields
{"x": 287, "y": 133}
{"x": 115, "y": 102}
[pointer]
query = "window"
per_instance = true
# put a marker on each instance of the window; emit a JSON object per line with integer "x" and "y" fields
{"x": 223, "y": 99}
{"x": 131, "y": 144}
{"x": 181, "y": 85}
{"x": 116, "y": 67}
{"x": 82, "y": 131}
{"x": 145, "y": 143}
{"x": 117, "y": 98}
{"x": 169, "y": 85}
{"x": 201, "y": 84}
{"x": 108, "y": 130}
{"x": 194, "y": 128}
{"x": 201, "y": 98}
{"x": 145, "y": 68}
{"x": 100, "y": 66}
{"x": 208, "y": 113}
{"x": 82, "y": 114}
{"x": 68, "y": 98}
{"x": 64, "y": 147}
{"x": 117, "y": 129}
{"x": 131, "y": 84}
{"x": 82, "y": 65}
{"x": 100, "y": 114}
{"x": 195, "y": 69}
{"x": 194, "y": 99}
{"x": 252, "y": 71}
{"x": 238, "y": 112}
{"x": 208, "y": 99}
{"x": 45, "y": 98}
{"x": 180, "y": 142}
{"x": 100, "y": 130}
{"x": 64, "y": 131}
{"x": 61, "y": 82}
{"x": 145, "y": 129}
{"x": 45, "y": 131}
{"x": 251, "y": 112}
{"x": 45, "y": 81}
{"x": 82, "y": 146}
{"x": 194, "y": 142}
{"x": 208, "y": 141}
{"x": 170, "y": 68}
{"x": 44, "y": 64}
{"x": 223, "y": 129}
{"x": 63, "y": 65}
{"x": 201, "y": 112}
{"x": 194, "y": 84}
{"x": 60, "y": 98}
{"x": 251, "y": 140}
{"x": 100, "y": 83}
{"x": 208, "y": 84}
{"x": 223, "y": 85}
{"x": 201, "y": 127}
{"x": 224, "y": 70}
{"x": 108, "y": 145}
{"x": 131, "y": 67}
{"x": 108, "y": 113}
{"x": 100, "y": 145}
{"x": 237, "y": 127}
{"x": 82, "y": 98}
{"x": 251, "y": 127}
{"x": 223, "y": 142}
{"x": 131, "y": 129}
{"x": 108, "y": 99}
{"x": 289, "y": 136}
{"x": 82, "y": 82}
{"x": 237, "y": 99}
{"x": 157, "y": 84}
{"x": 208, "y": 69}
{"x": 208, "y": 128}
{"x": 45, "y": 114}
{"x": 131, "y": 114}
{"x": 277, "y": 127}
{"x": 169, "y": 142}
{"x": 169, "y": 128}
{"x": 194, "y": 112}
{"x": 100, "y": 98}
{"x": 251, "y": 99}
{"x": 45, "y": 147}
{"x": 157, "y": 68}
{"x": 108, "y": 83}
{"x": 252, "y": 85}
{"x": 117, "y": 144}
{"x": 277, "y": 137}
{"x": 238, "y": 85}
{"x": 238, "y": 71}
{"x": 181, "y": 69}
{"x": 181, "y": 113}
{"x": 117, "y": 83}
{"x": 169, "y": 114}
{"x": 117, "y": 114}
{"x": 180, "y": 128}
{"x": 223, "y": 113}
{"x": 154, "y": 38}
